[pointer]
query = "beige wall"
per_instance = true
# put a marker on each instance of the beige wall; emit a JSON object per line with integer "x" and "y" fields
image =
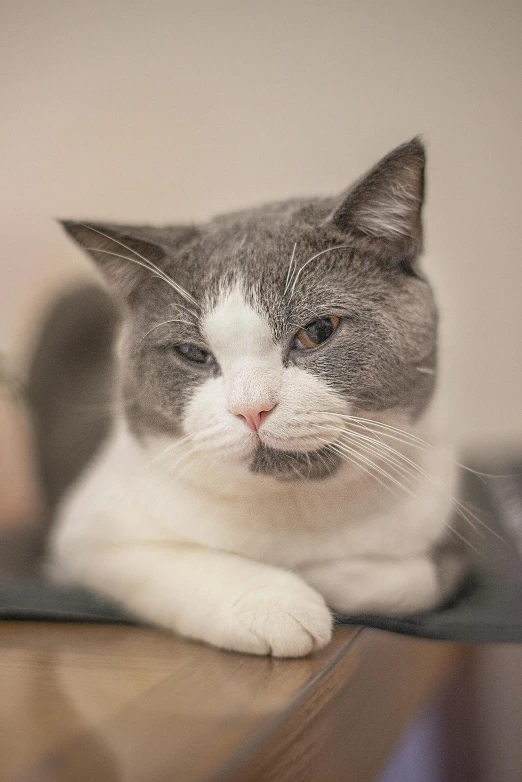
{"x": 165, "y": 111}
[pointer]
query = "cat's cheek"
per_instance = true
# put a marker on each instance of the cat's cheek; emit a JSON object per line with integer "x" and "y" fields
{"x": 303, "y": 391}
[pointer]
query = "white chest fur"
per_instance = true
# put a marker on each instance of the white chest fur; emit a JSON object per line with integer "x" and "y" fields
{"x": 125, "y": 496}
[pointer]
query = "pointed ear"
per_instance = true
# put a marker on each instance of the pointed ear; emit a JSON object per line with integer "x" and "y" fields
{"x": 386, "y": 203}
{"x": 124, "y": 254}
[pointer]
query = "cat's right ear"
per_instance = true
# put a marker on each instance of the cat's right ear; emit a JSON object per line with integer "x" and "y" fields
{"x": 385, "y": 205}
{"x": 124, "y": 254}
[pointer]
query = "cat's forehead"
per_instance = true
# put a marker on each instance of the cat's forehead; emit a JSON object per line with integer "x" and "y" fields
{"x": 259, "y": 240}
{"x": 236, "y": 329}
{"x": 277, "y": 257}
{"x": 288, "y": 265}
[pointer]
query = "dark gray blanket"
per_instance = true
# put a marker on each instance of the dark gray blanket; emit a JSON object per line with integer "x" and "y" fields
{"x": 488, "y": 609}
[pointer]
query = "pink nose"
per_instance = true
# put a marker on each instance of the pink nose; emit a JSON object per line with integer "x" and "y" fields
{"x": 253, "y": 416}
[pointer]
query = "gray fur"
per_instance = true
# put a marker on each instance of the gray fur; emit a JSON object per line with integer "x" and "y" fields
{"x": 287, "y": 466}
{"x": 389, "y": 319}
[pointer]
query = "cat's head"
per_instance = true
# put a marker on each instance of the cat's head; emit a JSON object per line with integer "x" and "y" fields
{"x": 255, "y": 335}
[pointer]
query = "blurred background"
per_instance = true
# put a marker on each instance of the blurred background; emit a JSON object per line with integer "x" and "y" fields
{"x": 174, "y": 111}
{"x": 167, "y": 111}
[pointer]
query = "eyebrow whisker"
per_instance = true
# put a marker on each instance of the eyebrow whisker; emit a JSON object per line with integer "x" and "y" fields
{"x": 317, "y": 255}
{"x": 146, "y": 263}
{"x": 290, "y": 270}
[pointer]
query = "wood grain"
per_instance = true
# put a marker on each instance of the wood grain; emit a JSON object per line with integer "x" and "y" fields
{"x": 106, "y": 703}
{"x": 350, "y": 736}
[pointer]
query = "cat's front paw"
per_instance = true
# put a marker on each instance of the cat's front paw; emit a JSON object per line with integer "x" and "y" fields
{"x": 281, "y": 621}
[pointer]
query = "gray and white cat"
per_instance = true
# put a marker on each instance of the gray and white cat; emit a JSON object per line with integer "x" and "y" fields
{"x": 274, "y": 455}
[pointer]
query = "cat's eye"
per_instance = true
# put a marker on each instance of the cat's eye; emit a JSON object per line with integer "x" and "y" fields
{"x": 195, "y": 354}
{"x": 315, "y": 333}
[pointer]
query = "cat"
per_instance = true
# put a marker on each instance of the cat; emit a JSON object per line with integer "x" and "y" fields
{"x": 274, "y": 456}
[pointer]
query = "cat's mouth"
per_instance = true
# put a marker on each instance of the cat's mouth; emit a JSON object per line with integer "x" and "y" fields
{"x": 301, "y": 443}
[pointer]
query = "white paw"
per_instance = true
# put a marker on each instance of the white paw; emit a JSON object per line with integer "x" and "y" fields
{"x": 287, "y": 620}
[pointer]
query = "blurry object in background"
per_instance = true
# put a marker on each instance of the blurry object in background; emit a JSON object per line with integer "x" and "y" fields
{"x": 69, "y": 386}
{"x": 68, "y": 394}
{"x": 20, "y": 506}
{"x": 178, "y": 111}
{"x": 18, "y": 493}
{"x": 9, "y": 384}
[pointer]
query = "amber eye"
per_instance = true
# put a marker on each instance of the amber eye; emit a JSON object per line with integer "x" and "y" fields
{"x": 315, "y": 333}
{"x": 195, "y": 354}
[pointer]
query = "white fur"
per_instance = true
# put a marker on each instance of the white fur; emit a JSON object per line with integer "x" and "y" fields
{"x": 186, "y": 536}
{"x": 390, "y": 214}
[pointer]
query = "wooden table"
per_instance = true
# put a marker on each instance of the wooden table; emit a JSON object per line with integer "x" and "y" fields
{"x": 101, "y": 703}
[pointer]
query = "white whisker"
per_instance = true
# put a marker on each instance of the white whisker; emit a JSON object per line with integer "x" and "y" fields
{"x": 379, "y": 424}
{"x": 313, "y": 258}
{"x": 458, "y": 506}
{"x": 290, "y": 270}
{"x": 404, "y": 488}
{"x": 197, "y": 439}
{"x": 166, "y": 322}
{"x": 146, "y": 263}
{"x": 184, "y": 307}
{"x": 413, "y": 440}
{"x": 344, "y": 450}
{"x": 405, "y": 466}
{"x": 375, "y": 466}
{"x": 159, "y": 457}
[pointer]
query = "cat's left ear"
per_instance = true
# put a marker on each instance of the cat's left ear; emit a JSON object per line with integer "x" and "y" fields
{"x": 124, "y": 254}
{"x": 127, "y": 254}
{"x": 386, "y": 203}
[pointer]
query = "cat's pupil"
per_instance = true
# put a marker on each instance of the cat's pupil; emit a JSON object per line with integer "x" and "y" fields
{"x": 320, "y": 330}
{"x": 315, "y": 333}
{"x": 193, "y": 353}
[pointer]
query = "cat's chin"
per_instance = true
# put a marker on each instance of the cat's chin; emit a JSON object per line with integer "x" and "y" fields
{"x": 289, "y": 465}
